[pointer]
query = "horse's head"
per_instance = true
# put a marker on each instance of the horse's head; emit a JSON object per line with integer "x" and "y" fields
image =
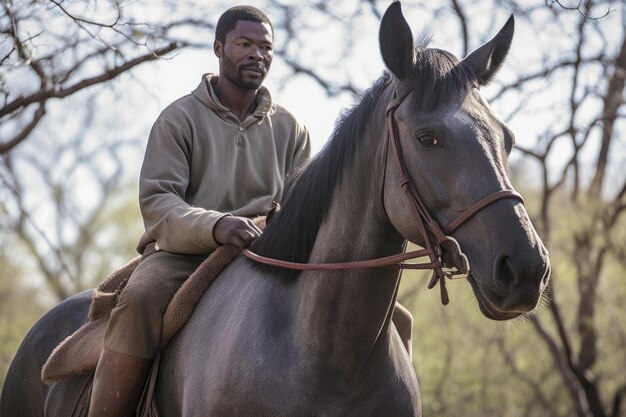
{"x": 455, "y": 151}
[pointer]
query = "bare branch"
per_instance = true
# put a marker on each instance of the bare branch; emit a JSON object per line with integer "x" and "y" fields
{"x": 88, "y": 82}
{"x": 579, "y": 8}
{"x": 617, "y": 401}
{"x": 532, "y": 384}
{"x": 580, "y": 403}
{"x": 375, "y": 11}
{"x": 613, "y": 100}
{"x": 331, "y": 90}
{"x": 463, "y": 21}
{"x": 87, "y": 21}
{"x": 52, "y": 276}
{"x": 26, "y": 131}
{"x": 545, "y": 72}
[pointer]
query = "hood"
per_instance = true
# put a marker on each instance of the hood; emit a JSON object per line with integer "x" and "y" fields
{"x": 206, "y": 94}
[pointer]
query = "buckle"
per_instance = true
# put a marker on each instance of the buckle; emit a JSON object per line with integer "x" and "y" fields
{"x": 460, "y": 267}
{"x": 453, "y": 273}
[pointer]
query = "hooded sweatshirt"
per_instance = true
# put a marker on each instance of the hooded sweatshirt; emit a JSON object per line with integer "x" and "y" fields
{"x": 202, "y": 163}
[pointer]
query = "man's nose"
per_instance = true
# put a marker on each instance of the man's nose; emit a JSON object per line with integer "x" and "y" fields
{"x": 256, "y": 54}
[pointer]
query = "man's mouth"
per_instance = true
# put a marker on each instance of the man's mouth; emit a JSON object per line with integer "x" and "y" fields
{"x": 256, "y": 69}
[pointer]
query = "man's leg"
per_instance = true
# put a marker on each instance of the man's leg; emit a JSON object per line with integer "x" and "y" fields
{"x": 403, "y": 320}
{"x": 133, "y": 333}
{"x": 117, "y": 384}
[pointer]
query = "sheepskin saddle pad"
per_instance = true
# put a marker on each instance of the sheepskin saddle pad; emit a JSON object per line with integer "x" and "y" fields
{"x": 79, "y": 352}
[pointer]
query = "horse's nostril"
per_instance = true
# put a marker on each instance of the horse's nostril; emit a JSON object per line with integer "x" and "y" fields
{"x": 505, "y": 272}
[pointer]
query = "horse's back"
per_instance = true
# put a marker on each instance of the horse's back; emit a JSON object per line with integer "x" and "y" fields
{"x": 241, "y": 354}
{"x": 23, "y": 393}
{"x": 210, "y": 355}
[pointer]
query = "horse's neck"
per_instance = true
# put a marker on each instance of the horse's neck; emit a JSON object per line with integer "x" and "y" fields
{"x": 343, "y": 313}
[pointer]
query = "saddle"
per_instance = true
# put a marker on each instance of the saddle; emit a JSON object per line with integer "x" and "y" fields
{"x": 79, "y": 352}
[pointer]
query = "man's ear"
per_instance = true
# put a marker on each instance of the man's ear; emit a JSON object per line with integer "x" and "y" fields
{"x": 218, "y": 48}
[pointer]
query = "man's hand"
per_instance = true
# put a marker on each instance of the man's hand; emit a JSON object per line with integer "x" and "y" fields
{"x": 236, "y": 231}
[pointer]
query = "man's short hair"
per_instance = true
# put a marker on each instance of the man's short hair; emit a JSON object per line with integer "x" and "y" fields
{"x": 228, "y": 20}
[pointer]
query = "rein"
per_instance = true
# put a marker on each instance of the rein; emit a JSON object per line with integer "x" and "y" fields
{"x": 426, "y": 223}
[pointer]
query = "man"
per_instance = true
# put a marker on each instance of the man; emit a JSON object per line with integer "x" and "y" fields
{"x": 214, "y": 159}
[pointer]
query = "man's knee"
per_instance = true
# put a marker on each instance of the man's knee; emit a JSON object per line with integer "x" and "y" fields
{"x": 140, "y": 301}
{"x": 153, "y": 284}
{"x": 403, "y": 320}
{"x": 134, "y": 328}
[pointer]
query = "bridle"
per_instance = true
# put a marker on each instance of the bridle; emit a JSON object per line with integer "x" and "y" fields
{"x": 443, "y": 242}
{"x": 426, "y": 223}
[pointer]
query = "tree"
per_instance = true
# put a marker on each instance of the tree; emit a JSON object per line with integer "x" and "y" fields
{"x": 561, "y": 90}
{"x": 572, "y": 101}
{"x": 591, "y": 191}
{"x": 56, "y": 49}
{"x": 20, "y": 306}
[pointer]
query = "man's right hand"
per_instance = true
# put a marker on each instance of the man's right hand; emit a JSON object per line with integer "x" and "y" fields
{"x": 237, "y": 231}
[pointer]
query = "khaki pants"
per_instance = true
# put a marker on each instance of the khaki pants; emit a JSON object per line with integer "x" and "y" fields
{"x": 135, "y": 325}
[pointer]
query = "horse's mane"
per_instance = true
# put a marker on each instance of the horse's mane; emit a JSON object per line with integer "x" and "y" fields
{"x": 292, "y": 232}
{"x": 438, "y": 78}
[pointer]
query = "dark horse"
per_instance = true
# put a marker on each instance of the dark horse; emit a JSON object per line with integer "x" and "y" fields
{"x": 267, "y": 341}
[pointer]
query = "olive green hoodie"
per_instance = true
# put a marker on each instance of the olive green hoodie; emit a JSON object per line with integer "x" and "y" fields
{"x": 202, "y": 163}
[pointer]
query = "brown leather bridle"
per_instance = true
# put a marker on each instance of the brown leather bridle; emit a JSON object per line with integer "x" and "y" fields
{"x": 443, "y": 242}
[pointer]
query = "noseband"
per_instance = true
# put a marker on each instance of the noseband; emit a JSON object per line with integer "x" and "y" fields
{"x": 428, "y": 227}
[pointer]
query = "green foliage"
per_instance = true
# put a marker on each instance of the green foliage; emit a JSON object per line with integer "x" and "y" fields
{"x": 24, "y": 296}
{"x": 470, "y": 366}
{"x": 19, "y": 308}
{"x": 119, "y": 228}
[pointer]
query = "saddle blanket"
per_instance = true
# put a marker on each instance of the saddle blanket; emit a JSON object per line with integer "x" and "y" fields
{"x": 79, "y": 352}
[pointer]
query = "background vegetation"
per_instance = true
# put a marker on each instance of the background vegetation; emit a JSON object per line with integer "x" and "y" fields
{"x": 82, "y": 81}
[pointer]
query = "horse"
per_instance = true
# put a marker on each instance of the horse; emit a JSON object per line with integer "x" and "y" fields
{"x": 421, "y": 149}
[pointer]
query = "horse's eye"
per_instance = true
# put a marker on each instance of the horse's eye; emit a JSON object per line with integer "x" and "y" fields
{"x": 427, "y": 139}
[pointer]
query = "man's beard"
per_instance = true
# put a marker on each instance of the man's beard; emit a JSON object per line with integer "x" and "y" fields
{"x": 236, "y": 76}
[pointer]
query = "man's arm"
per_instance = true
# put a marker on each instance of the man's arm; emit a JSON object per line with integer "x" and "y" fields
{"x": 302, "y": 151}
{"x": 175, "y": 225}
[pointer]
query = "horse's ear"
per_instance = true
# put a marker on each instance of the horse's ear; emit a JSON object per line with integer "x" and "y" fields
{"x": 486, "y": 60}
{"x": 396, "y": 42}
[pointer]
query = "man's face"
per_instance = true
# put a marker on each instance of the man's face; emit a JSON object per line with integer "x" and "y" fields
{"x": 246, "y": 55}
